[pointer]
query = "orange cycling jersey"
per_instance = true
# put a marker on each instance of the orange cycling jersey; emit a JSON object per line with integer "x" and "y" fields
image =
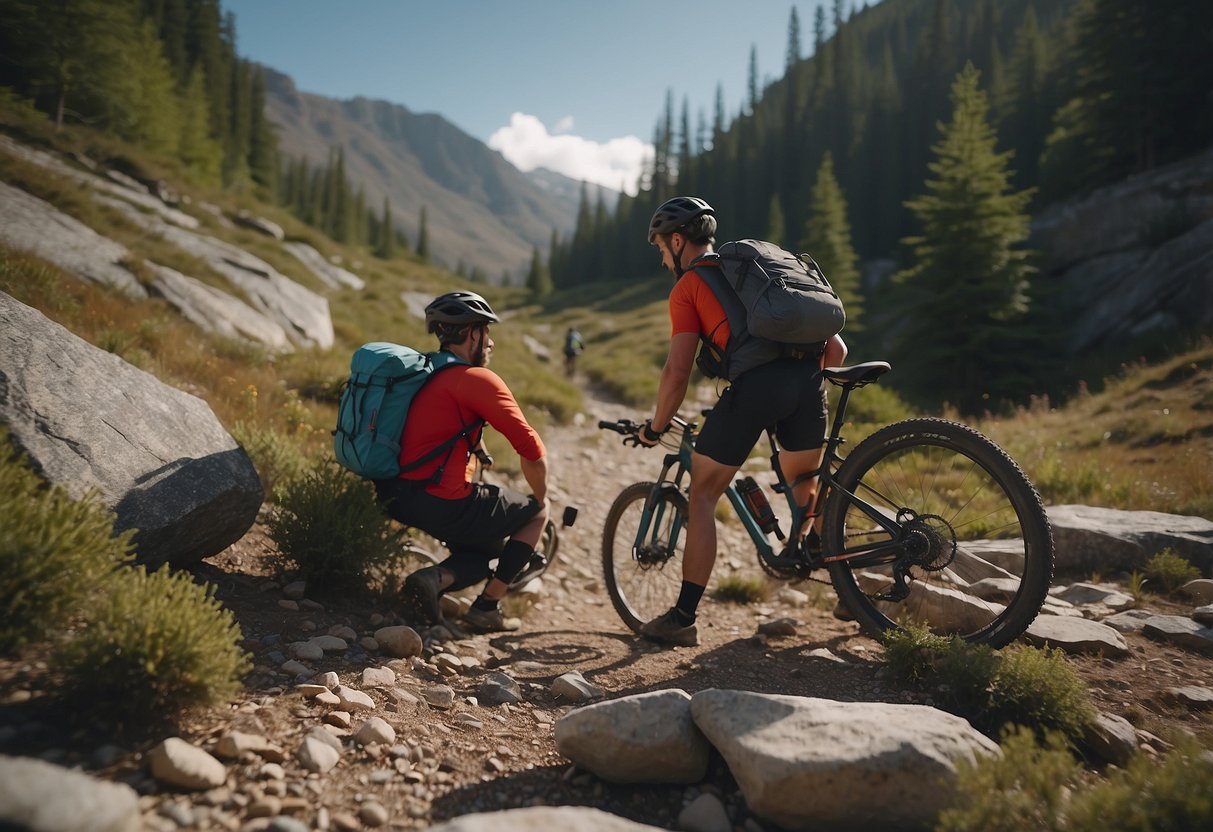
{"x": 457, "y": 397}
{"x": 694, "y": 309}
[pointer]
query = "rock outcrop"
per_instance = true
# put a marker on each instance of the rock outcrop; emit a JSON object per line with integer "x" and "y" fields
{"x": 157, "y": 456}
{"x": 1134, "y": 257}
{"x": 303, "y": 314}
{"x": 36, "y": 226}
{"x": 1095, "y": 539}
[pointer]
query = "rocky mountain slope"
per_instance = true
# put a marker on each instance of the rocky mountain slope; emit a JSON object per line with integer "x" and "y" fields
{"x": 480, "y": 209}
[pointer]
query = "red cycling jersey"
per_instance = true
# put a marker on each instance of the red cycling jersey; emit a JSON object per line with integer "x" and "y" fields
{"x": 694, "y": 309}
{"x": 457, "y": 397}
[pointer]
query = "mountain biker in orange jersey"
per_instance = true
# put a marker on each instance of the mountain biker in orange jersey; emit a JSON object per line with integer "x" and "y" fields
{"x": 477, "y": 521}
{"x": 786, "y": 394}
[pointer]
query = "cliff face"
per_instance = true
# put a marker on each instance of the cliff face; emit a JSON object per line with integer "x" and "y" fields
{"x": 1134, "y": 258}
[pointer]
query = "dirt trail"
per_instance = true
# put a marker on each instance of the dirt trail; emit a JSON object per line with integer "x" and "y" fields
{"x": 452, "y": 759}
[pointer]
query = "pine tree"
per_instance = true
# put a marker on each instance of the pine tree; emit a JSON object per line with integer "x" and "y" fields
{"x": 776, "y": 229}
{"x": 793, "y": 55}
{"x": 386, "y": 244}
{"x": 752, "y": 93}
{"x": 538, "y": 281}
{"x": 195, "y": 147}
{"x": 423, "y": 237}
{"x": 827, "y": 237}
{"x": 965, "y": 299}
{"x": 1142, "y": 76}
{"x": 263, "y": 144}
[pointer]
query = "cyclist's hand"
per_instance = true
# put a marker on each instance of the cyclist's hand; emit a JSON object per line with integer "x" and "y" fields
{"x": 647, "y": 436}
{"x": 485, "y": 457}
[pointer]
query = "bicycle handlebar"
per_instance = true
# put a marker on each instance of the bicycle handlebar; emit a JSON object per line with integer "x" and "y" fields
{"x": 624, "y": 426}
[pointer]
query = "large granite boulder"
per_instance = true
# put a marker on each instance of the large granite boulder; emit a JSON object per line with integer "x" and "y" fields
{"x": 808, "y": 763}
{"x": 157, "y": 456}
{"x": 1095, "y": 539}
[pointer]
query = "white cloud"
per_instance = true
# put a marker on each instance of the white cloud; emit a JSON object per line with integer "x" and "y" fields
{"x": 564, "y": 125}
{"x": 527, "y": 144}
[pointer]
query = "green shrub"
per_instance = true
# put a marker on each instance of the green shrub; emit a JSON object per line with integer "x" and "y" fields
{"x": 741, "y": 589}
{"x": 54, "y": 552}
{"x": 276, "y": 456}
{"x": 329, "y": 524}
{"x": 157, "y": 643}
{"x": 1039, "y": 689}
{"x": 1168, "y": 571}
{"x": 1019, "y": 686}
{"x": 1042, "y": 787}
{"x": 1173, "y": 793}
{"x": 1027, "y": 788}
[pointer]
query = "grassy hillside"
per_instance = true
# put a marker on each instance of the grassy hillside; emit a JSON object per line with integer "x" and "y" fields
{"x": 1145, "y": 441}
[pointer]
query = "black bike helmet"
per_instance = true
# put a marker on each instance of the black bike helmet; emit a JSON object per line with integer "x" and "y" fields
{"x": 675, "y": 213}
{"x": 459, "y": 308}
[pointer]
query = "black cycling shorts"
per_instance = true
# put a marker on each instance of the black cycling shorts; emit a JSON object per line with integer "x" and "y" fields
{"x": 787, "y": 395}
{"x": 480, "y": 523}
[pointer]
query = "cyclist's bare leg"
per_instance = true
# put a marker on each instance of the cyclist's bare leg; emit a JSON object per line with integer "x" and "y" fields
{"x": 709, "y": 479}
{"x": 796, "y": 464}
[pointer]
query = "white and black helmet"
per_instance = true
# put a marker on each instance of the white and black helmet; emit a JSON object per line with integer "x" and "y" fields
{"x": 458, "y": 309}
{"x": 674, "y": 214}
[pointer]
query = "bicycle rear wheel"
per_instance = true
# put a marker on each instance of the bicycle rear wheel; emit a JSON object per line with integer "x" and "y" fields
{"x": 642, "y": 563}
{"x": 969, "y": 530}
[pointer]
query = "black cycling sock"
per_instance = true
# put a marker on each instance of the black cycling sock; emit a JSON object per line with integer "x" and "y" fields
{"x": 514, "y": 556}
{"x": 485, "y": 604}
{"x": 688, "y": 602}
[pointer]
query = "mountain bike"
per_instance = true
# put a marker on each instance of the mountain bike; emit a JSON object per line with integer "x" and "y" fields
{"x": 925, "y": 521}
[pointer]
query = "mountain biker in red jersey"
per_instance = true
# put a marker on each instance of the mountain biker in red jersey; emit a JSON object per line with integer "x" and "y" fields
{"x": 477, "y": 521}
{"x": 786, "y": 394}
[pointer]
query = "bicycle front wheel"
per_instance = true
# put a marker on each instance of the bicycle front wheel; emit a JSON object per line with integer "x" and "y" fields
{"x": 642, "y": 552}
{"x": 949, "y": 517}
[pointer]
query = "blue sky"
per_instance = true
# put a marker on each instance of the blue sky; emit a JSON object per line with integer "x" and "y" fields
{"x": 576, "y": 86}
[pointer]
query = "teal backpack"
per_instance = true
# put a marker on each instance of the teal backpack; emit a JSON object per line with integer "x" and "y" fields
{"x": 384, "y": 379}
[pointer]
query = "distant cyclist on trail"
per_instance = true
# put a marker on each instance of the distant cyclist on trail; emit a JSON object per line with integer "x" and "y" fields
{"x": 477, "y": 521}
{"x": 573, "y": 347}
{"x": 787, "y": 394}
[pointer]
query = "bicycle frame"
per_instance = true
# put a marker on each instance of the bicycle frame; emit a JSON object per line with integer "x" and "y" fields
{"x": 680, "y": 463}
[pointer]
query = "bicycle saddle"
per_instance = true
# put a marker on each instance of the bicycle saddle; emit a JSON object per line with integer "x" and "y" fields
{"x": 857, "y": 375}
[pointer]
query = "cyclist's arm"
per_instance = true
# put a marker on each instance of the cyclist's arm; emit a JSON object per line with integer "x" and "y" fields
{"x": 835, "y": 352}
{"x": 675, "y": 377}
{"x": 535, "y": 471}
{"x": 492, "y": 401}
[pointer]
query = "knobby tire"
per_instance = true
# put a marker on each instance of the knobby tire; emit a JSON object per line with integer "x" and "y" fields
{"x": 642, "y": 591}
{"x": 974, "y": 504}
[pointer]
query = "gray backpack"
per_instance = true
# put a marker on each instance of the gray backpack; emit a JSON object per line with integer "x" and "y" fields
{"x": 777, "y": 304}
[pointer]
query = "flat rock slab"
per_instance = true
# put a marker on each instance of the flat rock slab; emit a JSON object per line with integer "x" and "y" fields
{"x": 34, "y": 225}
{"x": 1096, "y": 539}
{"x": 1192, "y": 695}
{"x": 1075, "y": 635}
{"x": 1183, "y": 632}
{"x": 158, "y": 457}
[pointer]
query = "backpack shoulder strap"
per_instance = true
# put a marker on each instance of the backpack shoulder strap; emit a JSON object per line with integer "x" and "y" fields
{"x": 712, "y": 274}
